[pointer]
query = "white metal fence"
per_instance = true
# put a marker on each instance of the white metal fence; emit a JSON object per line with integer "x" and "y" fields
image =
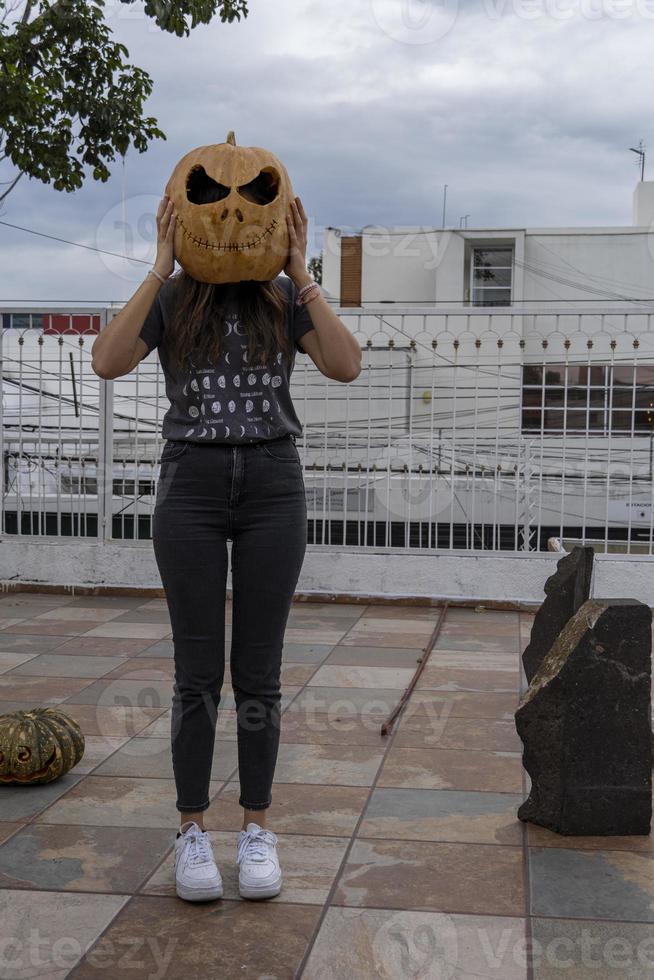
{"x": 468, "y": 428}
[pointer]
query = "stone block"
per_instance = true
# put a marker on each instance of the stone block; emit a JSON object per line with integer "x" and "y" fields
{"x": 586, "y": 727}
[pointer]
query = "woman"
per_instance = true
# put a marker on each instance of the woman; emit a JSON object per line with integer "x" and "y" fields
{"x": 229, "y": 470}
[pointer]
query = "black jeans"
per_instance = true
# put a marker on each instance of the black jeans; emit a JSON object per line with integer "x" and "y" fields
{"x": 253, "y": 494}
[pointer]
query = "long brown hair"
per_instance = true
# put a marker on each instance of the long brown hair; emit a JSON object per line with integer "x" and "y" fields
{"x": 196, "y": 330}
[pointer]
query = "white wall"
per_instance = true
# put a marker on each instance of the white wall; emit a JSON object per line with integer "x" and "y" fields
{"x": 600, "y": 266}
{"x": 643, "y": 204}
{"x": 331, "y": 262}
{"x": 509, "y": 577}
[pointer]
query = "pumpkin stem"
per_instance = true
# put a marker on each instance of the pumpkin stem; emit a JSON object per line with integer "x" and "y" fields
{"x": 231, "y": 138}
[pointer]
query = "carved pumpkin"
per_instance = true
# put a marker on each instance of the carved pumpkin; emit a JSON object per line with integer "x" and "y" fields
{"x": 231, "y": 204}
{"x": 39, "y": 745}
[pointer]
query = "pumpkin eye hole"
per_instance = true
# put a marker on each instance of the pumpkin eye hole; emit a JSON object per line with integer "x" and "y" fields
{"x": 203, "y": 189}
{"x": 263, "y": 189}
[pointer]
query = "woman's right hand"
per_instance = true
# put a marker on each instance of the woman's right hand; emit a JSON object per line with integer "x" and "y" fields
{"x": 165, "y": 260}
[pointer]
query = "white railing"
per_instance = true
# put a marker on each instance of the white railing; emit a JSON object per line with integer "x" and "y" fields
{"x": 454, "y": 436}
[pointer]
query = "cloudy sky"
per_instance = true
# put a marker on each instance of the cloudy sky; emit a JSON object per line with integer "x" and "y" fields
{"x": 524, "y": 108}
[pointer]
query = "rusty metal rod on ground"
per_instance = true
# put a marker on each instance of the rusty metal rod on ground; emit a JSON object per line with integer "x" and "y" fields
{"x": 388, "y": 724}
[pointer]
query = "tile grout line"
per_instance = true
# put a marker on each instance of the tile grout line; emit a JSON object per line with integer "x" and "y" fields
{"x": 157, "y": 898}
{"x": 337, "y": 877}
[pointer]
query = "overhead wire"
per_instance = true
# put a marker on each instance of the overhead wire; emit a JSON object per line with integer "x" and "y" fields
{"x": 590, "y": 287}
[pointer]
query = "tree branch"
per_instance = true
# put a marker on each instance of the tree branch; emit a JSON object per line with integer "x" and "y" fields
{"x": 27, "y": 11}
{"x": 11, "y": 187}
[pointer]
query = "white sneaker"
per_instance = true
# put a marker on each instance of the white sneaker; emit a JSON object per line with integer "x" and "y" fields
{"x": 197, "y": 878}
{"x": 259, "y": 873}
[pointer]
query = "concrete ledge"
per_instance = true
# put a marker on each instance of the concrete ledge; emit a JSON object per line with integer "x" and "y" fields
{"x": 508, "y": 578}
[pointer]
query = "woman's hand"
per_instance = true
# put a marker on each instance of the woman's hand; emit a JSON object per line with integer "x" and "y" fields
{"x": 297, "y": 224}
{"x": 165, "y": 260}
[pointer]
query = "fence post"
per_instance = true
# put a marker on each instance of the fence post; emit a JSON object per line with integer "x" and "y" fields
{"x": 105, "y": 468}
{"x": 527, "y": 488}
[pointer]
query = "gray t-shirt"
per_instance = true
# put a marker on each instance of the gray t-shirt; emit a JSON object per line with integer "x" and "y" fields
{"x": 229, "y": 401}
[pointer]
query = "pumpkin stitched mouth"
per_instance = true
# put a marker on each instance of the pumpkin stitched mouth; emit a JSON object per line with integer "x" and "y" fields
{"x": 228, "y": 246}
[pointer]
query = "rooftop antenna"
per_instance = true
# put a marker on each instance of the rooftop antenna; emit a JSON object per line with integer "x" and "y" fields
{"x": 444, "y": 204}
{"x": 641, "y": 153}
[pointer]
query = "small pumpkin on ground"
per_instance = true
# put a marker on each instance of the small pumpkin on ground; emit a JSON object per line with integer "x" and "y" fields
{"x": 38, "y": 745}
{"x": 231, "y": 204}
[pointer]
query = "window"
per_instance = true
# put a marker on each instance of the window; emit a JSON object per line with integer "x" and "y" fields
{"x": 597, "y": 398}
{"x": 491, "y": 276}
{"x": 22, "y": 321}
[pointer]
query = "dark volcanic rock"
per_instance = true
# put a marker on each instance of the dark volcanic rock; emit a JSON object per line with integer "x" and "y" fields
{"x": 565, "y": 591}
{"x": 585, "y": 723}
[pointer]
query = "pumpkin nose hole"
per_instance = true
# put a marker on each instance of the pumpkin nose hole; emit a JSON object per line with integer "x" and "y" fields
{"x": 239, "y": 215}
{"x": 224, "y": 214}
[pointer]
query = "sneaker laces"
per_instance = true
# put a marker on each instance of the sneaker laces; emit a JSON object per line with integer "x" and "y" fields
{"x": 199, "y": 848}
{"x": 254, "y": 844}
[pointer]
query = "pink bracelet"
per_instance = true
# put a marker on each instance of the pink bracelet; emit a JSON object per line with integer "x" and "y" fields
{"x": 307, "y": 286}
{"x": 305, "y": 291}
{"x": 311, "y": 298}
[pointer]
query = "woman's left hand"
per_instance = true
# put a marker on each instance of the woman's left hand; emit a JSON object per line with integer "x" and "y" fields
{"x": 297, "y": 224}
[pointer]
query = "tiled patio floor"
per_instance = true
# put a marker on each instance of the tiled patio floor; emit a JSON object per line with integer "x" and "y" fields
{"x": 402, "y": 856}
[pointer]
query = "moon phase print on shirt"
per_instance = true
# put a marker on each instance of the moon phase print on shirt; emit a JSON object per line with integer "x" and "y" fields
{"x": 231, "y": 399}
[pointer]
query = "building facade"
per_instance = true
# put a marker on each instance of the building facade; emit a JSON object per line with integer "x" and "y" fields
{"x": 420, "y": 266}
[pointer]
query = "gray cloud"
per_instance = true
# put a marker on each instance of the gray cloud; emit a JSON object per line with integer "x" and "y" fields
{"x": 372, "y": 107}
